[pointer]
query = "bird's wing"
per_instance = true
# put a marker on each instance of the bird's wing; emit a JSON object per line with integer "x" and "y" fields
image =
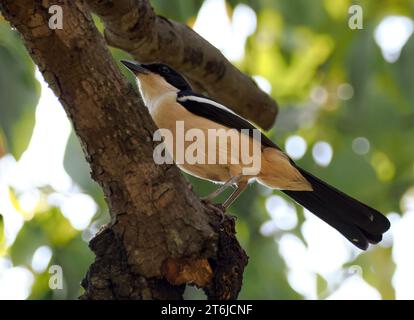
{"x": 214, "y": 111}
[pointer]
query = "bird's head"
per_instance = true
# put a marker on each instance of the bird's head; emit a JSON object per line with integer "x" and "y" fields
{"x": 157, "y": 76}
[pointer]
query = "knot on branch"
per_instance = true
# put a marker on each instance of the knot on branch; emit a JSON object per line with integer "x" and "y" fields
{"x": 220, "y": 275}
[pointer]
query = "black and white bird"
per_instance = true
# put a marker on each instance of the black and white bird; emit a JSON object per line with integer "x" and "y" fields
{"x": 170, "y": 99}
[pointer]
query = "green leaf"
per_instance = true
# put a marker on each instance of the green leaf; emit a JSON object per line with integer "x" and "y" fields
{"x": 19, "y": 91}
{"x": 2, "y": 237}
{"x": 46, "y": 228}
{"x": 321, "y": 286}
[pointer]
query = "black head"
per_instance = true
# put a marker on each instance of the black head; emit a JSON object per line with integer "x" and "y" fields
{"x": 168, "y": 73}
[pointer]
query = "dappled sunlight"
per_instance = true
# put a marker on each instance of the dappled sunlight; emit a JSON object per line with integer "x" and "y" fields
{"x": 392, "y": 34}
{"x": 345, "y": 115}
{"x": 227, "y": 34}
{"x": 269, "y": 228}
{"x": 78, "y": 208}
{"x": 355, "y": 288}
{"x": 42, "y": 162}
{"x": 15, "y": 283}
{"x": 325, "y": 256}
{"x": 295, "y": 147}
{"x": 407, "y": 200}
{"x": 345, "y": 91}
{"x": 283, "y": 213}
{"x": 296, "y": 257}
{"x": 41, "y": 259}
{"x": 26, "y": 189}
{"x": 13, "y": 220}
{"x": 328, "y": 250}
{"x": 29, "y": 200}
{"x": 41, "y": 165}
{"x": 322, "y": 153}
{"x": 403, "y": 255}
{"x": 319, "y": 95}
{"x": 263, "y": 84}
{"x": 360, "y": 145}
{"x": 388, "y": 238}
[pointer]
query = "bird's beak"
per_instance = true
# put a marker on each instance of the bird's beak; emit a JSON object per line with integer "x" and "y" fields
{"x": 135, "y": 67}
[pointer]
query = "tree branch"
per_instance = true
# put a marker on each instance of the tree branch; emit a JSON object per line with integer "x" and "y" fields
{"x": 161, "y": 236}
{"x": 133, "y": 26}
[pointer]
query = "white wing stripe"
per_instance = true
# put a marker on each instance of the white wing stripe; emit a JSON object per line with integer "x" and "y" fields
{"x": 204, "y": 100}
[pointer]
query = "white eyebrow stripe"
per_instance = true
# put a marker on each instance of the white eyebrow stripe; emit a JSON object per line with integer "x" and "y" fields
{"x": 208, "y": 101}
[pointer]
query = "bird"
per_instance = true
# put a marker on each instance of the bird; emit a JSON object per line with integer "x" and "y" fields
{"x": 170, "y": 100}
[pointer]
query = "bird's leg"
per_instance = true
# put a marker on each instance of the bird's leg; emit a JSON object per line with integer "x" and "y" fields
{"x": 240, "y": 188}
{"x": 223, "y": 187}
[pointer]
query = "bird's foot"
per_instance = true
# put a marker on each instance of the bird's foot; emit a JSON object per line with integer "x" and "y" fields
{"x": 218, "y": 208}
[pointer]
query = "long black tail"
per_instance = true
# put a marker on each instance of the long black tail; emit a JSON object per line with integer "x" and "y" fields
{"x": 359, "y": 223}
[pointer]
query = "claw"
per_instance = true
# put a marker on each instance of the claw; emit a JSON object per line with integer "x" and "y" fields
{"x": 218, "y": 208}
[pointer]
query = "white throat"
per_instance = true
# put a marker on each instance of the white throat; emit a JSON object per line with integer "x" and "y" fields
{"x": 155, "y": 90}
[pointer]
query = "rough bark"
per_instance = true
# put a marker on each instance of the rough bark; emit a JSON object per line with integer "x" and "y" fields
{"x": 133, "y": 26}
{"x": 159, "y": 229}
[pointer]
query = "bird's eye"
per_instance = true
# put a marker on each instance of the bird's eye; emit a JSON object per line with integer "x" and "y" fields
{"x": 164, "y": 69}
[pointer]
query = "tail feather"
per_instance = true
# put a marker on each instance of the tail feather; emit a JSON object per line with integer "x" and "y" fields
{"x": 358, "y": 222}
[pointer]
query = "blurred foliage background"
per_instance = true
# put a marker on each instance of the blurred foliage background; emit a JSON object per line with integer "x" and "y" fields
{"x": 346, "y": 114}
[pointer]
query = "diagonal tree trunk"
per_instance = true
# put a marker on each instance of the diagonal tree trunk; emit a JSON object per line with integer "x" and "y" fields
{"x": 161, "y": 236}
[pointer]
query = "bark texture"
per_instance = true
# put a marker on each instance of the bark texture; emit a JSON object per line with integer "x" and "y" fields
{"x": 133, "y": 26}
{"x": 161, "y": 236}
